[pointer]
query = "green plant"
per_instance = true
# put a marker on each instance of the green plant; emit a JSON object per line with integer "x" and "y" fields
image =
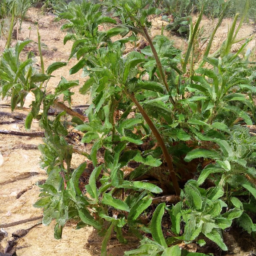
{"x": 154, "y": 109}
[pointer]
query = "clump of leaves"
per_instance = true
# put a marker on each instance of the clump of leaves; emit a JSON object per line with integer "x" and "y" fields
{"x": 152, "y": 109}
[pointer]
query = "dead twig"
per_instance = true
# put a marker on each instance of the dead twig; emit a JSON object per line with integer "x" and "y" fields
{"x": 12, "y": 115}
{"x": 29, "y": 134}
{"x": 22, "y": 176}
{"x": 12, "y": 224}
{"x": 172, "y": 199}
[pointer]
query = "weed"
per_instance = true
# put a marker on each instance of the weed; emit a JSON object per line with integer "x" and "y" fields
{"x": 180, "y": 114}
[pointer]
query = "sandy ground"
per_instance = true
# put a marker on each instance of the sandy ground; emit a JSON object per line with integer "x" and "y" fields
{"x": 19, "y": 167}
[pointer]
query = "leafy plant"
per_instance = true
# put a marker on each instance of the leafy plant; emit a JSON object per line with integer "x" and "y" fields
{"x": 153, "y": 109}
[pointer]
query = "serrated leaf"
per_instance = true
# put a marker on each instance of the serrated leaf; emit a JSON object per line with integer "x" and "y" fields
{"x": 54, "y": 66}
{"x": 149, "y": 160}
{"x": 246, "y": 223}
{"x": 156, "y": 225}
{"x": 200, "y": 152}
{"x": 116, "y": 203}
{"x": 216, "y": 238}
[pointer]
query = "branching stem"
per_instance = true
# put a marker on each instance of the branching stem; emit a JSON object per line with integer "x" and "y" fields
{"x": 160, "y": 142}
{"x": 158, "y": 62}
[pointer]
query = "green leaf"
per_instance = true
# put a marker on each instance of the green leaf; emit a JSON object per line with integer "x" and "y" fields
{"x": 94, "y": 151}
{"x": 246, "y": 223}
{"x": 68, "y": 37}
{"x": 215, "y": 193}
{"x": 232, "y": 214}
{"x": 199, "y": 152}
{"x": 193, "y": 196}
{"x": 65, "y": 85}
{"x": 174, "y": 250}
{"x": 223, "y": 223}
{"x": 236, "y": 202}
{"x": 216, "y": 238}
{"x": 20, "y": 46}
{"x": 128, "y": 123}
{"x": 133, "y": 59}
{"x": 116, "y": 203}
{"x": 201, "y": 242}
{"x": 149, "y": 160}
{"x": 89, "y": 137}
{"x": 106, "y": 239}
{"x": 156, "y": 225}
{"x": 28, "y": 120}
{"x": 43, "y": 202}
{"x": 106, "y": 20}
{"x": 54, "y": 66}
{"x": 116, "y": 31}
{"x": 39, "y": 78}
{"x": 147, "y": 186}
{"x": 176, "y": 218}
{"x": 150, "y": 85}
{"x": 86, "y": 86}
{"x": 77, "y": 67}
{"x": 76, "y": 175}
{"x": 208, "y": 170}
{"x": 88, "y": 219}
{"x": 92, "y": 181}
{"x": 221, "y": 126}
{"x": 84, "y": 50}
{"x": 251, "y": 189}
{"x": 58, "y": 231}
{"x": 139, "y": 207}
{"x": 225, "y": 147}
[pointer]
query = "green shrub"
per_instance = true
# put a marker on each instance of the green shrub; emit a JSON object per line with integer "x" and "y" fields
{"x": 180, "y": 113}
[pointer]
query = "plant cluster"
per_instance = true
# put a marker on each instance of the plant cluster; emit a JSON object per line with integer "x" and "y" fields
{"x": 183, "y": 127}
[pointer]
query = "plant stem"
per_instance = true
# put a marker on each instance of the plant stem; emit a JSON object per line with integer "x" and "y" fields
{"x": 10, "y": 32}
{"x": 40, "y": 50}
{"x": 68, "y": 110}
{"x": 158, "y": 62}
{"x": 160, "y": 142}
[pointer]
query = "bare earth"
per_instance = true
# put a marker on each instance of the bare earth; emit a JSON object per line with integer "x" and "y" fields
{"x": 19, "y": 159}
